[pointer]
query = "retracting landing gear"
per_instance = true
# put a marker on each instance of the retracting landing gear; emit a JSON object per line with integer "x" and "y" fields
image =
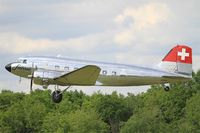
{"x": 166, "y": 87}
{"x": 57, "y": 94}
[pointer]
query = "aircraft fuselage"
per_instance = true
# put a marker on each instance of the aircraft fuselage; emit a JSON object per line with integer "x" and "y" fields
{"x": 111, "y": 74}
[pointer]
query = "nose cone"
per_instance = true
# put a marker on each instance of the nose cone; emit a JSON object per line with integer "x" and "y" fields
{"x": 8, "y": 67}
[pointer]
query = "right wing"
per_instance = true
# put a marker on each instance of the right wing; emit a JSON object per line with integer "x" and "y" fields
{"x": 86, "y": 75}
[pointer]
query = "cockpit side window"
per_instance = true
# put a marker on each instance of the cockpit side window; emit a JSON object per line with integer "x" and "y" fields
{"x": 24, "y": 61}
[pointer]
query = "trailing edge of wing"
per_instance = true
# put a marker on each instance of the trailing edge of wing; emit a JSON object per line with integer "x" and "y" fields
{"x": 86, "y": 75}
{"x": 177, "y": 77}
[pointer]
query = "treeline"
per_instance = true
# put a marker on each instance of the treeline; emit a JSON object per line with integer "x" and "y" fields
{"x": 155, "y": 111}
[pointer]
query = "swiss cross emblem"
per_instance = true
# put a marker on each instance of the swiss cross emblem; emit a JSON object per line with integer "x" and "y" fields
{"x": 183, "y": 54}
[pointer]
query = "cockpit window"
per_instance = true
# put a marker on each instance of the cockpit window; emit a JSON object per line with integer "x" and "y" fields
{"x": 24, "y": 61}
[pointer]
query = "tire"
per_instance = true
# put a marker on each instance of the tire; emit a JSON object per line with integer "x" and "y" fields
{"x": 166, "y": 88}
{"x": 57, "y": 96}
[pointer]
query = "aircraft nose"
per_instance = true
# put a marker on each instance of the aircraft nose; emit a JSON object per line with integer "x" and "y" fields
{"x": 8, "y": 67}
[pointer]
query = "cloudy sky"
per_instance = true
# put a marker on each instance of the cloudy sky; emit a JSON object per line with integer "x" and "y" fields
{"x": 125, "y": 31}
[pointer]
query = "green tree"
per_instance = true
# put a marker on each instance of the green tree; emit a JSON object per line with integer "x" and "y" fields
{"x": 44, "y": 97}
{"x": 75, "y": 122}
{"x": 112, "y": 108}
{"x": 134, "y": 102}
{"x": 153, "y": 111}
{"x": 25, "y": 116}
{"x": 55, "y": 122}
{"x": 86, "y": 122}
{"x": 192, "y": 113}
{"x": 8, "y": 98}
{"x": 146, "y": 120}
{"x": 147, "y": 115}
{"x": 72, "y": 101}
{"x": 162, "y": 110}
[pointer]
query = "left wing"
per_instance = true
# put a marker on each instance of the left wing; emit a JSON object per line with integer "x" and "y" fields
{"x": 86, "y": 75}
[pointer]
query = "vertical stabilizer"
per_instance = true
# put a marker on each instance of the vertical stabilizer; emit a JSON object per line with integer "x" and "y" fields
{"x": 178, "y": 60}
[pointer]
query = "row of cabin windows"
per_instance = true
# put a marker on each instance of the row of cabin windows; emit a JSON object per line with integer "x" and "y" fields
{"x": 66, "y": 68}
{"x": 104, "y": 72}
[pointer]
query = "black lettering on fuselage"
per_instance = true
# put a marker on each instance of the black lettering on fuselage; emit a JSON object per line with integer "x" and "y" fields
{"x": 24, "y": 68}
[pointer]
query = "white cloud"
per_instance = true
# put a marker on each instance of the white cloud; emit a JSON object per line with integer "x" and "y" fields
{"x": 196, "y": 63}
{"x": 83, "y": 11}
{"x": 150, "y": 60}
{"x": 3, "y": 7}
{"x": 143, "y": 20}
{"x": 17, "y": 44}
{"x": 142, "y": 60}
{"x": 142, "y": 32}
{"x": 146, "y": 15}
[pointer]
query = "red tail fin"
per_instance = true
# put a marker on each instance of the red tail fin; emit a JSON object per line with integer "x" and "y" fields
{"x": 180, "y": 53}
{"x": 178, "y": 60}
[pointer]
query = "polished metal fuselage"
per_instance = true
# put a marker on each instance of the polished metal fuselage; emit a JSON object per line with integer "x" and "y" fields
{"x": 111, "y": 74}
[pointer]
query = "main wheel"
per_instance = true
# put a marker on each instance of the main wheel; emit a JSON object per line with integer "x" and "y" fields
{"x": 57, "y": 96}
{"x": 166, "y": 88}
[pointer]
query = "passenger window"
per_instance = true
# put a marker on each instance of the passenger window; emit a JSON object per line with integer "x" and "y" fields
{"x": 114, "y": 73}
{"x": 57, "y": 67}
{"x": 75, "y": 68}
{"x": 24, "y": 61}
{"x": 104, "y": 72}
{"x": 66, "y": 68}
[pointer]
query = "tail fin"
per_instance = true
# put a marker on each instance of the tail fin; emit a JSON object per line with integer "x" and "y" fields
{"x": 178, "y": 60}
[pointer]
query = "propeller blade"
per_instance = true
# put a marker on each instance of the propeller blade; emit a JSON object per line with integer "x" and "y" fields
{"x": 31, "y": 85}
{"x": 20, "y": 80}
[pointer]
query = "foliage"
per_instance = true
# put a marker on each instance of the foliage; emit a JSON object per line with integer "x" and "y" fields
{"x": 7, "y": 98}
{"x": 153, "y": 111}
{"x": 24, "y": 116}
{"x": 192, "y": 113}
{"x": 86, "y": 122}
{"x": 55, "y": 122}
{"x": 168, "y": 111}
{"x": 112, "y": 108}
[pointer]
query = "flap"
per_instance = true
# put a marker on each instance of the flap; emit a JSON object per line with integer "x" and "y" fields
{"x": 86, "y": 75}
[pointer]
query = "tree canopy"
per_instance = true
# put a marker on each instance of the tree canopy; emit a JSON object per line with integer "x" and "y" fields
{"x": 153, "y": 111}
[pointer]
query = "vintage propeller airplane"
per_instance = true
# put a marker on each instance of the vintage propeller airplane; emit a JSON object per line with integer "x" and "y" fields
{"x": 42, "y": 70}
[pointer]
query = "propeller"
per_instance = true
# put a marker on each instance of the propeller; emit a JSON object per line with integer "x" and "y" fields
{"x": 20, "y": 80}
{"x": 32, "y": 76}
{"x": 31, "y": 84}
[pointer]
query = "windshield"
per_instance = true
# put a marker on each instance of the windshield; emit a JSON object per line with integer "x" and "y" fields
{"x": 24, "y": 61}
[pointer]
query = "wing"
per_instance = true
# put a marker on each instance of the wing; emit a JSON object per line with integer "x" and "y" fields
{"x": 86, "y": 75}
{"x": 46, "y": 74}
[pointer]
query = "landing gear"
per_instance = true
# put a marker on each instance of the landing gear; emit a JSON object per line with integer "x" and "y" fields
{"x": 166, "y": 87}
{"x": 57, "y": 96}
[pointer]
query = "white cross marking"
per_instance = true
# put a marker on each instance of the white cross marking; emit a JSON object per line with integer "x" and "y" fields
{"x": 183, "y": 54}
